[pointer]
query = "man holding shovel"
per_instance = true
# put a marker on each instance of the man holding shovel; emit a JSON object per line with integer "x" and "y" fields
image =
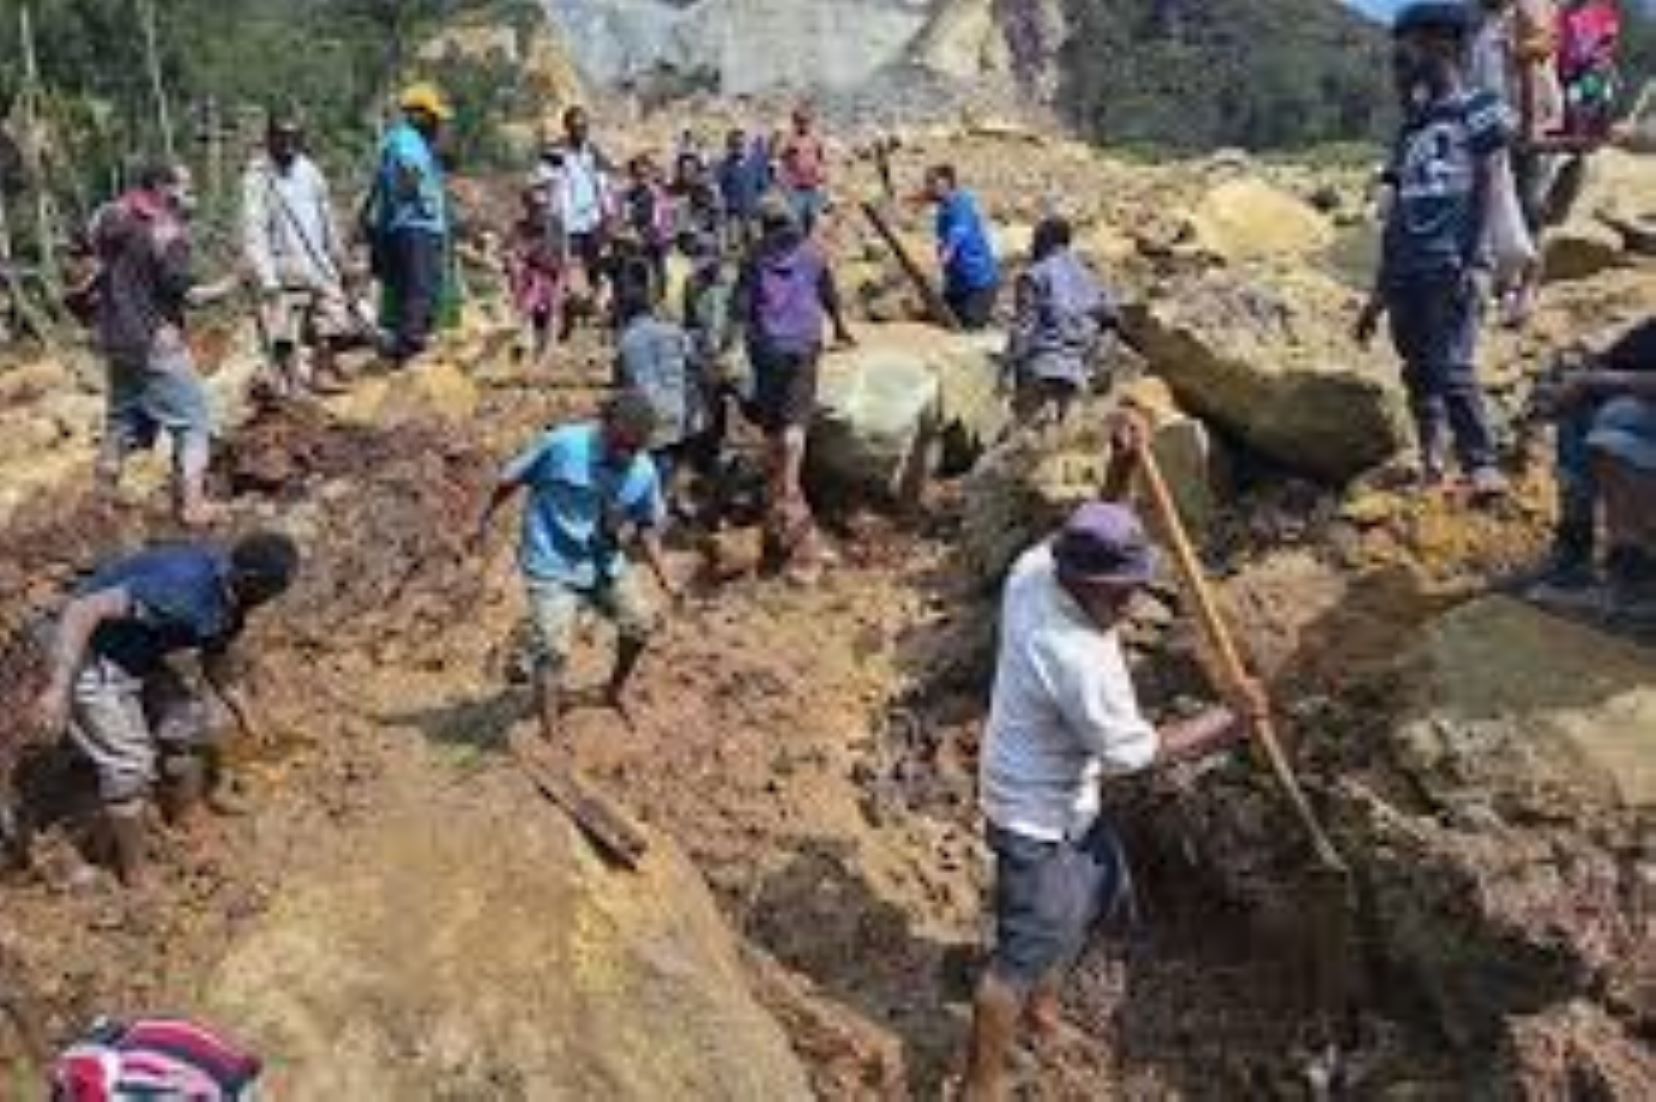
{"x": 1065, "y": 714}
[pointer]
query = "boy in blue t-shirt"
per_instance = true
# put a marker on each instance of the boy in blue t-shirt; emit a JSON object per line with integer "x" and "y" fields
{"x": 587, "y": 484}
{"x": 1440, "y": 175}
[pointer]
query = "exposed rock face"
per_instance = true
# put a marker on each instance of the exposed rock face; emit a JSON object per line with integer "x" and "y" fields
{"x": 470, "y": 945}
{"x": 1021, "y": 39}
{"x": 1265, "y": 355}
{"x": 742, "y": 46}
{"x": 747, "y": 46}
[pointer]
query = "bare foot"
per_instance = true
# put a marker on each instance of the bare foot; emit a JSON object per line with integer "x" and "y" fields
{"x": 200, "y": 514}
{"x": 1046, "y": 1018}
{"x": 616, "y": 701}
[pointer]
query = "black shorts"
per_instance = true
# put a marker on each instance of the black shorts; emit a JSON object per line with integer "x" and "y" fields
{"x": 1048, "y": 898}
{"x": 590, "y": 249}
{"x": 973, "y": 309}
{"x": 784, "y": 389}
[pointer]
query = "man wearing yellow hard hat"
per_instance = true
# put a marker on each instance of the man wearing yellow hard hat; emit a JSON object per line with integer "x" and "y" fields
{"x": 408, "y": 222}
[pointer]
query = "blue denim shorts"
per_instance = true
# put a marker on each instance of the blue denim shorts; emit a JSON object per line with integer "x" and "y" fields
{"x": 162, "y": 394}
{"x": 1049, "y": 896}
{"x": 1625, "y": 429}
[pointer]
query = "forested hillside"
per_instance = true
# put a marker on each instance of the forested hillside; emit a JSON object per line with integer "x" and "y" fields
{"x": 1199, "y": 73}
{"x": 99, "y": 104}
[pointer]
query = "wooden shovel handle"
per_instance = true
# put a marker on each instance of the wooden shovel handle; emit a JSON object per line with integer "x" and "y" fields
{"x": 1231, "y": 668}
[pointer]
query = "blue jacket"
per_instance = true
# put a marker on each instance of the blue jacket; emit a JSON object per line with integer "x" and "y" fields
{"x": 963, "y": 242}
{"x": 743, "y": 180}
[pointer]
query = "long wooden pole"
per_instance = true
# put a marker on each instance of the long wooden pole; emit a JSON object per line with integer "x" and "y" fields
{"x": 33, "y": 153}
{"x": 5, "y": 231}
{"x": 1231, "y": 668}
{"x": 158, "y": 89}
{"x": 935, "y": 304}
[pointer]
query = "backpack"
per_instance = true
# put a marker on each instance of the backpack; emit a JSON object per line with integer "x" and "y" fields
{"x": 153, "y": 1058}
{"x": 787, "y": 312}
{"x": 1589, "y": 39}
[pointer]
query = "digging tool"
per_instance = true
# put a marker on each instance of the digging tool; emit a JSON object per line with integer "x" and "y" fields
{"x": 935, "y": 305}
{"x": 1231, "y": 668}
{"x": 1331, "y": 903}
{"x": 365, "y": 327}
{"x": 615, "y": 837}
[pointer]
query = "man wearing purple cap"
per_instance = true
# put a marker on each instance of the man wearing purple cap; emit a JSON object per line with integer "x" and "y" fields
{"x": 1064, "y": 715}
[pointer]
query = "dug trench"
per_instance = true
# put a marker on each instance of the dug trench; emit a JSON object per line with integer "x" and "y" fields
{"x": 397, "y": 894}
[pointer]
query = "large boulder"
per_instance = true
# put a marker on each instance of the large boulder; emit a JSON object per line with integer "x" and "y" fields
{"x": 466, "y": 943}
{"x": 1582, "y": 248}
{"x": 1265, "y": 354}
{"x": 1606, "y": 212}
{"x": 1024, "y": 488}
{"x": 1247, "y": 218}
{"x": 1511, "y": 852}
{"x": 905, "y": 400}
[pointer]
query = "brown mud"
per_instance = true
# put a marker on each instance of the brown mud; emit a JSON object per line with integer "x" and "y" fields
{"x": 813, "y": 751}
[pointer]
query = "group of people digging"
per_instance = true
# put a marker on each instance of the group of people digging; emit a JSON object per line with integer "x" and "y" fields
{"x": 1064, "y": 714}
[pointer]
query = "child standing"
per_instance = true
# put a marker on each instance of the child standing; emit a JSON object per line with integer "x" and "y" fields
{"x": 647, "y": 211}
{"x": 534, "y": 270}
{"x": 1441, "y": 173}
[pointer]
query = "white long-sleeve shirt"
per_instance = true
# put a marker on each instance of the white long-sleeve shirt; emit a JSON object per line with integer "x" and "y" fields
{"x": 289, "y": 236}
{"x": 1064, "y": 710}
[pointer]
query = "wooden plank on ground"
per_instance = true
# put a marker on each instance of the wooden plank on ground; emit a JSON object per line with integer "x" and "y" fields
{"x": 553, "y": 775}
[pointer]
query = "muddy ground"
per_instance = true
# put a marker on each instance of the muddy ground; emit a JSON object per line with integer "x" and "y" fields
{"x": 812, "y": 750}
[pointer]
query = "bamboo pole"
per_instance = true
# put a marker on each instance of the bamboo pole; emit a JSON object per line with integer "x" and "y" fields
{"x": 33, "y": 153}
{"x": 158, "y": 89}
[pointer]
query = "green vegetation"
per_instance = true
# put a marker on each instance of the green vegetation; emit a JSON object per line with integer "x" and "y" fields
{"x": 1194, "y": 74}
{"x": 223, "y": 64}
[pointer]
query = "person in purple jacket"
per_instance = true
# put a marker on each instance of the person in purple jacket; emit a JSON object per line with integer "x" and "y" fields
{"x": 785, "y": 293}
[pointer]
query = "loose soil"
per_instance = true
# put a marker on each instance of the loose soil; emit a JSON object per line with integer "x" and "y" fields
{"x": 813, "y": 751}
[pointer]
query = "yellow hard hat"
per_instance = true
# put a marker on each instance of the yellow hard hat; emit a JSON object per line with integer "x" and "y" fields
{"x": 426, "y": 97}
